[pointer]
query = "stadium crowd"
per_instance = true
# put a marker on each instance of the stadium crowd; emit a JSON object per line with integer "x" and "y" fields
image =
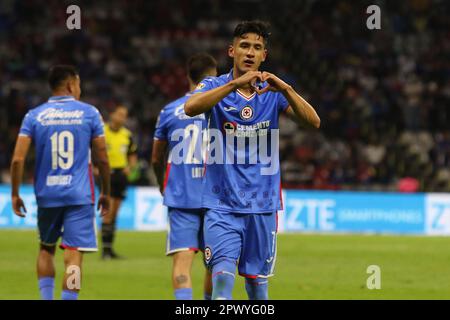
{"x": 383, "y": 95}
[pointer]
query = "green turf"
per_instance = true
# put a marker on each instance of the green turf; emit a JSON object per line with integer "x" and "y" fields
{"x": 308, "y": 267}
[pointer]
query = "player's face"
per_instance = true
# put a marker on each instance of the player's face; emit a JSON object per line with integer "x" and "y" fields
{"x": 248, "y": 52}
{"x": 119, "y": 117}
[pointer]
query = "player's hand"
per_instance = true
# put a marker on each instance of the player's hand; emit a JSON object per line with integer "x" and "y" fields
{"x": 103, "y": 205}
{"x": 17, "y": 204}
{"x": 273, "y": 83}
{"x": 248, "y": 78}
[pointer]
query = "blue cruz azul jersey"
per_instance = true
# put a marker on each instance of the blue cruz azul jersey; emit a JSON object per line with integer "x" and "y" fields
{"x": 242, "y": 164}
{"x": 185, "y": 165}
{"x": 62, "y": 130}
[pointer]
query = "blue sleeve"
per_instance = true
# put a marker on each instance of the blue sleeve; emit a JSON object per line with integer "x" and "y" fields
{"x": 162, "y": 128}
{"x": 282, "y": 103}
{"x": 27, "y": 128}
{"x": 97, "y": 125}
{"x": 206, "y": 84}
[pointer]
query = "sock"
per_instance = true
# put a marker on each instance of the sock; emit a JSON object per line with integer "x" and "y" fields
{"x": 183, "y": 294}
{"x": 113, "y": 234}
{"x": 257, "y": 289}
{"x": 223, "y": 279}
{"x": 46, "y": 286}
{"x": 69, "y": 295}
{"x": 206, "y": 296}
{"x": 107, "y": 236}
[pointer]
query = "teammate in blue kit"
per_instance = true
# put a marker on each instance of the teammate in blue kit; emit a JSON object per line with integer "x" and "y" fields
{"x": 242, "y": 191}
{"x": 182, "y": 184}
{"x": 63, "y": 131}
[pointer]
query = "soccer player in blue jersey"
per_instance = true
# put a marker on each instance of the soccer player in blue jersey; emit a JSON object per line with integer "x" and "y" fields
{"x": 242, "y": 190}
{"x": 182, "y": 185}
{"x": 63, "y": 131}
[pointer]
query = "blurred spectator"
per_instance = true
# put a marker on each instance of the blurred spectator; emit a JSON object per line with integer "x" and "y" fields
{"x": 408, "y": 184}
{"x": 383, "y": 96}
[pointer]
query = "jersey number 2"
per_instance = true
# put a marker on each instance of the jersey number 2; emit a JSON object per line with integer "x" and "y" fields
{"x": 62, "y": 150}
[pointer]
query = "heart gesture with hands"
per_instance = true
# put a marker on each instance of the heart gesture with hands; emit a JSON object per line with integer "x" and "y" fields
{"x": 273, "y": 83}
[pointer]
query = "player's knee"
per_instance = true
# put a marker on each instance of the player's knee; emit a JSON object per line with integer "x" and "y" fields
{"x": 46, "y": 249}
{"x": 107, "y": 219}
{"x": 72, "y": 257}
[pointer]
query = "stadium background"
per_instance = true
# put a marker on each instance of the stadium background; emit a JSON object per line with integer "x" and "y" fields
{"x": 382, "y": 95}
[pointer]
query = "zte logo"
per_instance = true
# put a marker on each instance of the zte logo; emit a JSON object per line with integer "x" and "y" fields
{"x": 438, "y": 214}
{"x": 310, "y": 214}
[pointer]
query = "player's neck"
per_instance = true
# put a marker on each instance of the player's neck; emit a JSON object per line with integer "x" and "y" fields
{"x": 114, "y": 127}
{"x": 61, "y": 93}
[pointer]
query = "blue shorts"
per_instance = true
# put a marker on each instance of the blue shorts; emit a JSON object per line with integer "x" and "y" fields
{"x": 185, "y": 230}
{"x": 76, "y": 225}
{"x": 248, "y": 239}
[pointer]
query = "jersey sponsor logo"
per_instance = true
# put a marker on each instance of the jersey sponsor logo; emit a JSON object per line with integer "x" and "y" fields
{"x": 53, "y": 116}
{"x": 208, "y": 254}
{"x": 257, "y": 129}
{"x": 246, "y": 113}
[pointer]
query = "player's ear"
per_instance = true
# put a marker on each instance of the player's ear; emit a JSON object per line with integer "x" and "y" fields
{"x": 70, "y": 86}
{"x": 264, "y": 55}
{"x": 231, "y": 51}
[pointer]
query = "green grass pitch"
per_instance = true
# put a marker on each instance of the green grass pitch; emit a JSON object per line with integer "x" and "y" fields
{"x": 307, "y": 267}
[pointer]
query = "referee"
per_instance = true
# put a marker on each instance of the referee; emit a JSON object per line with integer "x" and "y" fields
{"x": 122, "y": 157}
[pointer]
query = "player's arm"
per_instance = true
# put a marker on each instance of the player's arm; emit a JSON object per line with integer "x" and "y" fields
{"x": 132, "y": 156}
{"x": 204, "y": 101}
{"x": 17, "y": 165}
{"x": 100, "y": 158}
{"x": 299, "y": 109}
{"x": 159, "y": 151}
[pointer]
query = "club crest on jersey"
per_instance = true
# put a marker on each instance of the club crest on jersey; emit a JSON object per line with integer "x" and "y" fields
{"x": 246, "y": 113}
{"x": 229, "y": 127}
{"x": 207, "y": 254}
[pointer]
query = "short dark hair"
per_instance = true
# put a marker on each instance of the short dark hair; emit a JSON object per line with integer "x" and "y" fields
{"x": 198, "y": 65}
{"x": 259, "y": 27}
{"x": 118, "y": 106}
{"x": 59, "y": 73}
